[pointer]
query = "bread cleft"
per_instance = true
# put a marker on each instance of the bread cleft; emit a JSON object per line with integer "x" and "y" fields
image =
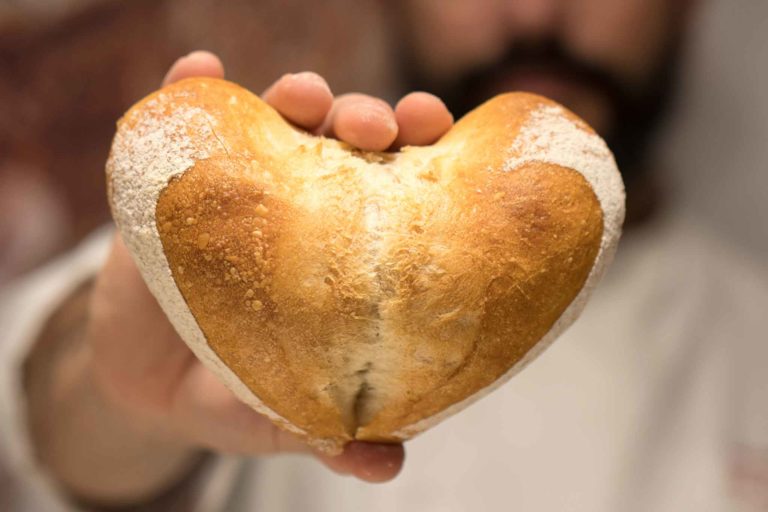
{"x": 360, "y": 295}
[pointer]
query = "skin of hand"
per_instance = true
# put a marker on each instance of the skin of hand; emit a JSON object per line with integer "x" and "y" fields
{"x": 132, "y": 378}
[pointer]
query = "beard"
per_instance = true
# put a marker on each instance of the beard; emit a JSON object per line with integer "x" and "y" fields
{"x": 636, "y": 110}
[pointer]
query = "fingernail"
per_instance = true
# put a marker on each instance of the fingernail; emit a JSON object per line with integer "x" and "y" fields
{"x": 195, "y": 54}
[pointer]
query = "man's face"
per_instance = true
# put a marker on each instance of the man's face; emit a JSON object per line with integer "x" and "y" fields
{"x": 607, "y": 60}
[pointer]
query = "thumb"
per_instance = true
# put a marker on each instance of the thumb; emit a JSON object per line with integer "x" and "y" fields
{"x": 372, "y": 462}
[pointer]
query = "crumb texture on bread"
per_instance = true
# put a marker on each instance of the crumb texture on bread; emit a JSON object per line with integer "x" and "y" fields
{"x": 353, "y": 295}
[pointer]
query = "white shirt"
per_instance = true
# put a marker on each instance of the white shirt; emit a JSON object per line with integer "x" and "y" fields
{"x": 655, "y": 400}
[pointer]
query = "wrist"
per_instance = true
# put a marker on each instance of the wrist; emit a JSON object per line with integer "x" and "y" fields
{"x": 96, "y": 451}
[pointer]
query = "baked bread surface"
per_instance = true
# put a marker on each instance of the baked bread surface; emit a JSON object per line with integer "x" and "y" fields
{"x": 354, "y": 295}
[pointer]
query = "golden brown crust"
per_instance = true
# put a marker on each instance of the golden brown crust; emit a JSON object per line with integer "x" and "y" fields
{"x": 238, "y": 255}
{"x": 500, "y": 273}
{"x": 356, "y": 294}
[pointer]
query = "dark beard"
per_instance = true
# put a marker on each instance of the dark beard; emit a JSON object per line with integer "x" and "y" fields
{"x": 637, "y": 111}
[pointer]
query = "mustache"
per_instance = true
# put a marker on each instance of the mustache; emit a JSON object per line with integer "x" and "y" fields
{"x": 549, "y": 55}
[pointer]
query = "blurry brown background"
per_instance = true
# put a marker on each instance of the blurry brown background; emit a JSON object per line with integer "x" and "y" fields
{"x": 70, "y": 68}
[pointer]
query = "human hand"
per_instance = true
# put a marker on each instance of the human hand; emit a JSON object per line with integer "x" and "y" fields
{"x": 146, "y": 372}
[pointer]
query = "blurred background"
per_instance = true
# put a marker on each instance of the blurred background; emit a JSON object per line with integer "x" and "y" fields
{"x": 717, "y": 138}
{"x": 70, "y": 68}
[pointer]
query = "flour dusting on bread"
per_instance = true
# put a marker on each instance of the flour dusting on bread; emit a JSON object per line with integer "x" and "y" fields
{"x": 552, "y": 136}
{"x": 155, "y": 143}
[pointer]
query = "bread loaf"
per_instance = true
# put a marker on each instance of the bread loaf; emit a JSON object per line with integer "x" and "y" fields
{"x": 358, "y": 295}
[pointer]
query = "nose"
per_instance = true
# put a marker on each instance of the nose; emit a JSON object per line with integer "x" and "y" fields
{"x": 533, "y": 19}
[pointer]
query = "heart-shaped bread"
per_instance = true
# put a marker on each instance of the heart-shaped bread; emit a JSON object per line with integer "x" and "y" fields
{"x": 356, "y": 295}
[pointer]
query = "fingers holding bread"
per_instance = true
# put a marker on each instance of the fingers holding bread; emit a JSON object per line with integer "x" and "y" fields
{"x": 197, "y": 63}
